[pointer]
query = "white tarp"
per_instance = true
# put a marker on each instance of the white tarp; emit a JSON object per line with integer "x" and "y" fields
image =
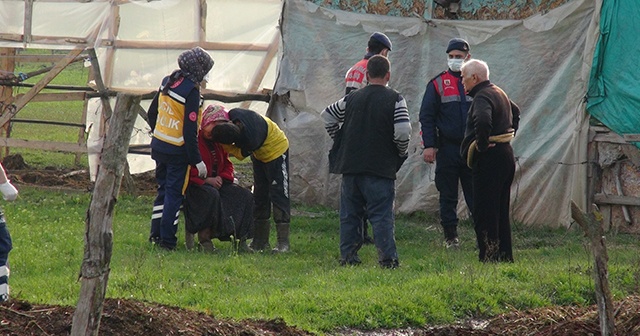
{"x": 541, "y": 62}
{"x": 231, "y": 25}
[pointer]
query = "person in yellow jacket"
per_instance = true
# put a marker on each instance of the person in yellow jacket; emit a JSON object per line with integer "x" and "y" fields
{"x": 174, "y": 117}
{"x": 251, "y": 134}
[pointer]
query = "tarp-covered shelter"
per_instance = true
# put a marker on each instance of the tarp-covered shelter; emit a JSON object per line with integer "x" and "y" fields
{"x": 544, "y": 63}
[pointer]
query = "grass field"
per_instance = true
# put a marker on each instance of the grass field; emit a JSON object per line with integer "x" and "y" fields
{"x": 307, "y": 287}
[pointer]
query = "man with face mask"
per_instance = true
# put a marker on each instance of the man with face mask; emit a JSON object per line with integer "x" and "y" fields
{"x": 443, "y": 114}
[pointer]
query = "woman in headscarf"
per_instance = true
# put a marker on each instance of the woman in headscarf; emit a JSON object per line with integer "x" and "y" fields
{"x": 174, "y": 117}
{"x": 215, "y": 206}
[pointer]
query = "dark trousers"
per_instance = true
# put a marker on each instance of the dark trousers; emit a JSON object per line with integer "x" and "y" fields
{"x": 164, "y": 220}
{"x": 5, "y": 247}
{"x": 493, "y": 173}
{"x": 271, "y": 186}
{"x": 451, "y": 168}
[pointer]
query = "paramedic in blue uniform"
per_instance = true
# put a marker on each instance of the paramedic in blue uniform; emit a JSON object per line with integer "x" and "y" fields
{"x": 174, "y": 116}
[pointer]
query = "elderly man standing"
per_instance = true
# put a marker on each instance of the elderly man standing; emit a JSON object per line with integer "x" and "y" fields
{"x": 368, "y": 150}
{"x": 491, "y": 124}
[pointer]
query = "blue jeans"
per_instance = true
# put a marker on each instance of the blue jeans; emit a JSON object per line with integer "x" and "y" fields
{"x": 373, "y": 196}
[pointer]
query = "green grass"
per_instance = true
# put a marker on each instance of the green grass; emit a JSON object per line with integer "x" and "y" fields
{"x": 307, "y": 287}
{"x": 66, "y": 111}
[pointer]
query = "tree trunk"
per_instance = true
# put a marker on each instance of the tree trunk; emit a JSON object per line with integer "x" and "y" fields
{"x": 94, "y": 273}
{"x": 593, "y": 228}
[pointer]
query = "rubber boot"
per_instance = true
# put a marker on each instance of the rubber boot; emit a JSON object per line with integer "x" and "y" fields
{"x": 204, "y": 237}
{"x": 189, "y": 240}
{"x": 282, "y": 230}
{"x": 243, "y": 247}
{"x": 260, "y": 240}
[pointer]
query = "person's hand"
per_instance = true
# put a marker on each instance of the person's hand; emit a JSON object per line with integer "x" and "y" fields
{"x": 429, "y": 155}
{"x": 202, "y": 169}
{"x": 9, "y": 192}
{"x": 216, "y": 182}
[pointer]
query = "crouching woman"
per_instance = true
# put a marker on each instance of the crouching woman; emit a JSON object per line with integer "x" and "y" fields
{"x": 216, "y": 207}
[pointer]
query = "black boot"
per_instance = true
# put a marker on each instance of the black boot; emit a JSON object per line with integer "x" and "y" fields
{"x": 283, "y": 238}
{"x": 260, "y": 240}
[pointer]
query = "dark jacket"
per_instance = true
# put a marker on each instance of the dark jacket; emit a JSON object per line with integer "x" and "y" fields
{"x": 491, "y": 113}
{"x": 365, "y": 143}
{"x": 184, "y": 96}
{"x": 443, "y": 112}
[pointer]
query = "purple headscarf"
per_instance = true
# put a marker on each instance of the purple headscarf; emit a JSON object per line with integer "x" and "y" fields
{"x": 195, "y": 63}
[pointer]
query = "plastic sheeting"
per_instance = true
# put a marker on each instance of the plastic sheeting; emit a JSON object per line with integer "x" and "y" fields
{"x": 614, "y": 88}
{"x": 541, "y": 62}
{"x": 132, "y": 68}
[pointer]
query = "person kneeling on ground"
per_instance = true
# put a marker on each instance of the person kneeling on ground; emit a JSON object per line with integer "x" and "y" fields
{"x": 214, "y": 206}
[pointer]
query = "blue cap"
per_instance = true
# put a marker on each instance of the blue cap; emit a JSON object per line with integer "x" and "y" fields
{"x": 382, "y": 38}
{"x": 458, "y": 44}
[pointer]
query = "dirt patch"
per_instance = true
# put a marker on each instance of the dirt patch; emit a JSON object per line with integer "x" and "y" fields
{"x": 132, "y": 318}
{"x": 19, "y": 172}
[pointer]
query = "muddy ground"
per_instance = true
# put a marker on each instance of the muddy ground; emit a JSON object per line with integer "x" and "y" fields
{"x": 133, "y": 318}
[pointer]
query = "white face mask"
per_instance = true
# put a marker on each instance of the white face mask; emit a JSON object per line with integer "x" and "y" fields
{"x": 455, "y": 64}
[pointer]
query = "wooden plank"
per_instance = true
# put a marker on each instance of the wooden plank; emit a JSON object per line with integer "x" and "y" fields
{"x": 59, "y": 96}
{"x": 601, "y": 198}
{"x": 41, "y": 58}
{"x": 28, "y": 15}
{"x": 44, "y": 145}
{"x": 20, "y": 103}
{"x": 609, "y": 137}
{"x": 11, "y": 37}
{"x": 262, "y": 68}
{"x": 7, "y": 63}
{"x": 631, "y": 137}
{"x": 123, "y": 44}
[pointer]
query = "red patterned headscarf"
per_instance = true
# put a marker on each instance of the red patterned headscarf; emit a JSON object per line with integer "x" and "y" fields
{"x": 214, "y": 113}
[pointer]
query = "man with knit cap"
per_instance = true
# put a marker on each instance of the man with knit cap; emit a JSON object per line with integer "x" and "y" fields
{"x": 443, "y": 114}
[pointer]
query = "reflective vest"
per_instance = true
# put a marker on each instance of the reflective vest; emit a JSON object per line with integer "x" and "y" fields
{"x": 171, "y": 109}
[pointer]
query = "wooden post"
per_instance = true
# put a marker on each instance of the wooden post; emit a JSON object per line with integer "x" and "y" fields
{"x": 8, "y": 64}
{"x": 593, "y": 228}
{"x": 94, "y": 273}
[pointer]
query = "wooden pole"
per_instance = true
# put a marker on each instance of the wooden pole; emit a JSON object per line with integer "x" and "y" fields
{"x": 593, "y": 228}
{"x": 94, "y": 273}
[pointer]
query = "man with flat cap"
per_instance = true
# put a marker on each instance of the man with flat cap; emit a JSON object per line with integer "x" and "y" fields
{"x": 356, "y": 78}
{"x": 443, "y": 115}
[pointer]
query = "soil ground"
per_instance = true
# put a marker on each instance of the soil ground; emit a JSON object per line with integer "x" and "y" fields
{"x": 133, "y": 318}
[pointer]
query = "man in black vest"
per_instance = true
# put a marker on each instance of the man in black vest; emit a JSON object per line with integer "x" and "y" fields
{"x": 368, "y": 150}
